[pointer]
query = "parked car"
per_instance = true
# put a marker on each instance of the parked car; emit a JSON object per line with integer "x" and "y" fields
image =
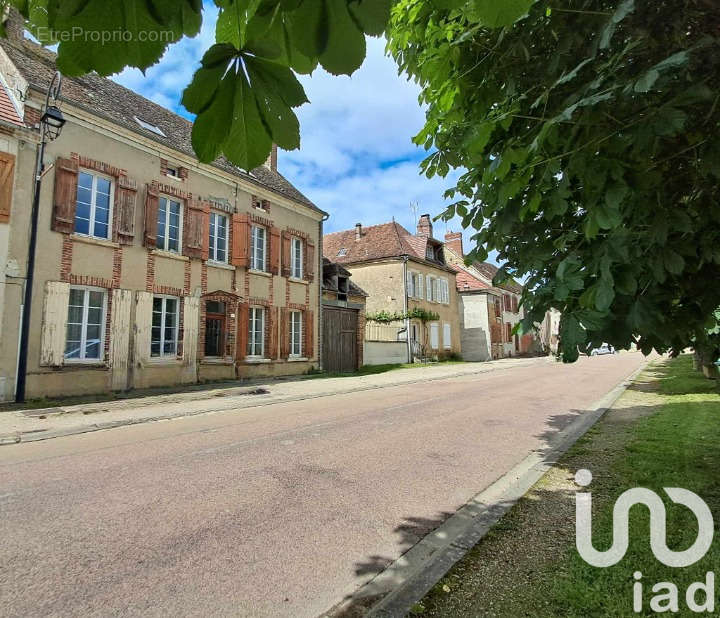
{"x": 605, "y": 348}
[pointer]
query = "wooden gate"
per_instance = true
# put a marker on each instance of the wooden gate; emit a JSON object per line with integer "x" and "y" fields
{"x": 340, "y": 339}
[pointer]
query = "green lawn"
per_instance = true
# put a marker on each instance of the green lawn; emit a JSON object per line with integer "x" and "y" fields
{"x": 673, "y": 442}
{"x": 367, "y": 370}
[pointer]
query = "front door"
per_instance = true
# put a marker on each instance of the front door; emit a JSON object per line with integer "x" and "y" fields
{"x": 215, "y": 329}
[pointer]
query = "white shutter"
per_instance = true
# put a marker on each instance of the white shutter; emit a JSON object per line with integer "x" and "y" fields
{"x": 143, "y": 327}
{"x": 191, "y": 324}
{"x": 446, "y": 291}
{"x": 428, "y": 287}
{"x": 54, "y": 324}
{"x": 419, "y": 290}
{"x": 447, "y": 340}
{"x": 434, "y": 336}
{"x": 120, "y": 339}
{"x": 410, "y": 287}
{"x": 436, "y": 290}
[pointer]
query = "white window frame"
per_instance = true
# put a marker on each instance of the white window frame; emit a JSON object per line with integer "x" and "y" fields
{"x": 213, "y": 240}
{"x": 166, "y": 237}
{"x": 163, "y": 315}
{"x": 411, "y": 287}
{"x": 93, "y": 202}
{"x": 254, "y": 248}
{"x": 83, "y": 326}
{"x": 434, "y": 336}
{"x": 296, "y": 262}
{"x": 447, "y": 336}
{"x": 252, "y": 342}
{"x": 296, "y": 353}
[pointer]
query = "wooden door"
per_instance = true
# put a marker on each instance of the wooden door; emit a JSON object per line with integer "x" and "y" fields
{"x": 340, "y": 339}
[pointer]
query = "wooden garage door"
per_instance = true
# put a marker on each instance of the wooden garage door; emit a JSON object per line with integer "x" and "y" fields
{"x": 340, "y": 339}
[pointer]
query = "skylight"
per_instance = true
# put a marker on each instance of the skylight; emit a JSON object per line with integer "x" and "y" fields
{"x": 342, "y": 252}
{"x": 149, "y": 127}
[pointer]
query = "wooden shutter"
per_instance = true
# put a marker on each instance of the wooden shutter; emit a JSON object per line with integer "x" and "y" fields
{"x": 125, "y": 199}
{"x": 274, "y": 250}
{"x": 151, "y": 216}
{"x": 309, "y": 334}
{"x": 7, "y": 175}
{"x": 193, "y": 229}
{"x": 243, "y": 328}
{"x": 206, "y": 233}
{"x": 240, "y": 243}
{"x": 66, "y": 179}
{"x": 191, "y": 327}
{"x": 284, "y": 332}
{"x": 119, "y": 358}
{"x": 286, "y": 272}
{"x": 54, "y": 324}
{"x": 272, "y": 343}
{"x": 309, "y": 260}
{"x": 143, "y": 327}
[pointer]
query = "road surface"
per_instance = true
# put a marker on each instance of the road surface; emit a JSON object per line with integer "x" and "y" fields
{"x": 281, "y": 510}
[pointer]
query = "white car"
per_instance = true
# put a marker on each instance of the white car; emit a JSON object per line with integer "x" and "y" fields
{"x": 605, "y": 348}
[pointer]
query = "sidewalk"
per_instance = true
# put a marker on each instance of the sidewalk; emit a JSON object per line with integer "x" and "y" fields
{"x": 42, "y": 424}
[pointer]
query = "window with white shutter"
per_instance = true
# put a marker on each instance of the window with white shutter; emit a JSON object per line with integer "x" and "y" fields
{"x": 419, "y": 290}
{"x": 428, "y": 287}
{"x": 410, "y": 285}
{"x": 447, "y": 340}
{"x": 434, "y": 336}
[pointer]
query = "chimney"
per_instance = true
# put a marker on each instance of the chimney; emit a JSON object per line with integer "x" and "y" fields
{"x": 453, "y": 241}
{"x": 14, "y": 25}
{"x": 358, "y": 231}
{"x": 272, "y": 159}
{"x": 424, "y": 227}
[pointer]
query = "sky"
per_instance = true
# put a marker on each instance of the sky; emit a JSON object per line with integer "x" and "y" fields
{"x": 357, "y": 160}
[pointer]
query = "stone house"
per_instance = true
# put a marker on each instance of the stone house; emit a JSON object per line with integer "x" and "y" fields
{"x": 402, "y": 272}
{"x": 343, "y": 305}
{"x": 152, "y": 268}
{"x": 489, "y": 313}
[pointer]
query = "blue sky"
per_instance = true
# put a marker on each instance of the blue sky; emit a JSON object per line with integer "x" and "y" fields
{"x": 357, "y": 160}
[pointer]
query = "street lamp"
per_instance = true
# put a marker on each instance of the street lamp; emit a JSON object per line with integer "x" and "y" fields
{"x": 51, "y": 124}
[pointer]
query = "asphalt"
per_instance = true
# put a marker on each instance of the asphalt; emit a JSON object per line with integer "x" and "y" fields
{"x": 280, "y": 510}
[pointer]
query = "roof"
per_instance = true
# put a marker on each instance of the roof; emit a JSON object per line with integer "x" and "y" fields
{"x": 466, "y": 282}
{"x": 8, "y": 113}
{"x": 489, "y": 271}
{"x": 330, "y": 283}
{"x": 103, "y": 97}
{"x": 377, "y": 242}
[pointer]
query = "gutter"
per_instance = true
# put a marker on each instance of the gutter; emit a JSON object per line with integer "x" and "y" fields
{"x": 321, "y": 276}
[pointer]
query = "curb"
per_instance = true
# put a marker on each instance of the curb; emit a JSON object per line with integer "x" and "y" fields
{"x": 407, "y": 580}
{"x": 38, "y": 435}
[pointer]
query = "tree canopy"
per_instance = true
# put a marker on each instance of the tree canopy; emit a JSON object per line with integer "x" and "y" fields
{"x": 587, "y": 133}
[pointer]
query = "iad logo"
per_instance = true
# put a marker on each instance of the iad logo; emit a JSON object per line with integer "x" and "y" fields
{"x": 658, "y": 544}
{"x": 666, "y": 593}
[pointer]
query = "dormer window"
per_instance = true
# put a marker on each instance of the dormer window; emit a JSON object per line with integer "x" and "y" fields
{"x": 430, "y": 252}
{"x": 149, "y": 126}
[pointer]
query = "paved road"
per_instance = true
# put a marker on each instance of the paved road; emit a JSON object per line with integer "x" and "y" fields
{"x": 274, "y": 511}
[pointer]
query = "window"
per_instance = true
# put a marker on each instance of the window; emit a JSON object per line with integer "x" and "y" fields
{"x": 343, "y": 288}
{"x": 429, "y": 252}
{"x": 342, "y": 252}
{"x": 169, "y": 224}
{"x": 93, "y": 207}
{"x": 296, "y": 333}
{"x": 256, "y": 338}
{"x": 172, "y": 172}
{"x": 86, "y": 325}
{"x": 149, "y": 127}
{"x": 296, "y": 258}
{"x": 164, "y": 326}
{"x": 447, "y": 340}
{"x": 218, "y": 237}
{"x": 434, "y": 336}
{"x": 411, "y": 284}
{"x": 508, "y": 332}
{"x": 214, "y": 328}
{"x": 444, "y": 291}
{"x": 258, "y": 248}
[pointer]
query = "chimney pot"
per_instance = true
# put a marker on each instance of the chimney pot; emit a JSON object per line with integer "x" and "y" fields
{"x": 358, "y": 231}
{"x": 424, "y": 226}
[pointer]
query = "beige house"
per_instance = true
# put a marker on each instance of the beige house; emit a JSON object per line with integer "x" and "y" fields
{"x": 402, "y": 272}
{"x": 488, "y": 313}
{"x": 152, "y": 268}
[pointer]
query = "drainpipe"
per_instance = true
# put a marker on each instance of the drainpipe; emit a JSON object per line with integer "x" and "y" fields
{"x": 405, "y": 308}
{"x": 319, "y": 257}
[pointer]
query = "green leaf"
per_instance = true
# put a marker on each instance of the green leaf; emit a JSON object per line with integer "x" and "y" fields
{"x": 371, "y": 15}
{"x": 345, "y": 49}
{"x": 210, "y": 129}
{"x": 674, "y": 263}
{"x": 233, "y": 20}
{"x": 497, "y": 13}
{"x": 605, "y": 294}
